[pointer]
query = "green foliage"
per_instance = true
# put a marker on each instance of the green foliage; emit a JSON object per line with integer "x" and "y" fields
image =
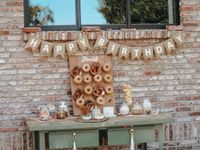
{"x": 39, "y": 15}
{"x": 142, "y": 11}
{"x": 114, "y": 12}
{"x": 149, "y": 11}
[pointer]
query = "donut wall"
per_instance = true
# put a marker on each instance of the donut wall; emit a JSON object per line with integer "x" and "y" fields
{"x": 91, "y": 80}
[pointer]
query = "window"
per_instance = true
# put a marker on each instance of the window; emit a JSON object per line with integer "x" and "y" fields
{"x": 115, "y": 14}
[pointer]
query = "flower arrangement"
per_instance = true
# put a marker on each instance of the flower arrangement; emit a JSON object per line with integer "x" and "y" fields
{"x": 126, "y": 88}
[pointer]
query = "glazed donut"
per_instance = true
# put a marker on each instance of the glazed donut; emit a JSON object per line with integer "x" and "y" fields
{"x": 88, "y": 90}
{"x": 76, "y": 71}
{"x": 106, "y": 67}
{"x": 86, "y": 67}
{"x": 107, "y": 78}
{"x": 109, "y": 89}
{"x": 78, "y": 79}
{"x": 98, "y": 78}
{"x": 80, "y": 102}
{"x": 98, "y": 90}
{"x": 87, "y": 79}
{"x": 78, "y": 93}
{"x": 95, "y": 68}
{"x": 100, "y": 100}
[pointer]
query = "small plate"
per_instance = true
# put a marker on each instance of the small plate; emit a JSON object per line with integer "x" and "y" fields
{"x": 90, "y": 121}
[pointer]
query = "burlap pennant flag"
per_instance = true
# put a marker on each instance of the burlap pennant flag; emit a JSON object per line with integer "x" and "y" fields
{"x": 124, "y": 52}
{"x": 136, "y": 53}
{"x": 159, "y": 50}
{"x": 83, "y": 43}
{"x": 178, "y": 39}
{"x": 46, "y": 49}
{"x": 148, "y": 52}
{"x": 59, "y": 50}
{"x": 33, "y": 43}
{"x": 169, "y": 46}
{"x": 112, "y": 49}
{"x": 101, "y": 43}
{"x": 71, "y": 47}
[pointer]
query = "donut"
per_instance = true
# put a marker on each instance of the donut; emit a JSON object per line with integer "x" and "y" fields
{"x": 107, "y": 78}
{"x": 87, "y": 107}
{"x": 95, "y": 68}
{"x": 78, "y": 79}
{"x": 88, "y": 90}
{"x": 77, "y": 94}
{"x": 98, "y": 78}
{"x": 109, "y": 89}
{"x": 98, "y": 90}
{"x": 87, "y": 79}
{"x": 86, "y": 67}
{"x": 80, "y": 102}
{"x": 76, "y": 71}
{"x": 106, "y": 67}
{"x": 89, "y": 104}
{"x": 100, "y": 100}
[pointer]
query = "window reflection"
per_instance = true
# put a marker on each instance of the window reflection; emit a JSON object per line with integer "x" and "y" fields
{"x": 51, "y": 12}
{"x": 103, "y": 12}
{"x": 149, "y": 11}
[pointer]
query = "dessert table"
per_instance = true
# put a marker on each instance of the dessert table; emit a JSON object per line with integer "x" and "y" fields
{"x": 58, "y": 134}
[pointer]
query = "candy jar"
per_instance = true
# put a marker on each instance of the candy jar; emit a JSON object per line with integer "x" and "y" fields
{"x": 137, "y": 109}
{"x": 43, "y": 113}
{"x": 62, "y": 111}
{"x": 147, "y": 106}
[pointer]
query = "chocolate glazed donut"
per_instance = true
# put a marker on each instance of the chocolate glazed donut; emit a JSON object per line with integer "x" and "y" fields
{"x": 98, "y": 90}
{"x": 78, "y": 93}
{"x": 95, "y": 68}
{"x": 75, "y": 71}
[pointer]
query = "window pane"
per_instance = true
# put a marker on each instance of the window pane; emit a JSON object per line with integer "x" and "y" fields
{"x": 150, "y": 11}
{"x": 103, "y": 12}
{"x": 51, "y": 12}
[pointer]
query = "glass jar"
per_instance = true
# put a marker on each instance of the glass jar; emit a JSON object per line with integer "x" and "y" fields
{"x": 147, "y": 106}
{"x": 43, "y": 113}
{"x": 62, "y": 110}
{"x": 124, "y": 109}
{"x": 60, "y": 113}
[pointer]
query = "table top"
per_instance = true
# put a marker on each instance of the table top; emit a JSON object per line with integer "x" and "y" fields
{"x": 34, "y": 124}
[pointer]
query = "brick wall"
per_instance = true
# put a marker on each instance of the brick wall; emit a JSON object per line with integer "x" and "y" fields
{"x": 172, "y": 83}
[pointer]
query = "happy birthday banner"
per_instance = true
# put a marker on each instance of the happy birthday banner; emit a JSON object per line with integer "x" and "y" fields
{"x": 49, "y": 49}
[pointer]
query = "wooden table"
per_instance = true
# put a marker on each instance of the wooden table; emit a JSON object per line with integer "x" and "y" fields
{"x": 57, "y": 134}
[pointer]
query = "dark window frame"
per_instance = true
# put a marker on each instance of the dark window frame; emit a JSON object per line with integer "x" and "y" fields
{"x": 128, "y": 23}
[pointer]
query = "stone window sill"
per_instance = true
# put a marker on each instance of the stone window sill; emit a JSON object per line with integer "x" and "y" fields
{"x": 93, "y": 32}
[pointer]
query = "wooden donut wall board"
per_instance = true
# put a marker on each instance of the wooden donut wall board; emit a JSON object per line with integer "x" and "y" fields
{"x": 79, "y": 61}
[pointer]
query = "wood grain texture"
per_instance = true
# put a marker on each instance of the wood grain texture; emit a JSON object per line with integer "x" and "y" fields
{"x": 79, "y": 60}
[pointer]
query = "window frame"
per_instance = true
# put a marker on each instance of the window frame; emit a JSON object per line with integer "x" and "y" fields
{"x": 127, "y": 24}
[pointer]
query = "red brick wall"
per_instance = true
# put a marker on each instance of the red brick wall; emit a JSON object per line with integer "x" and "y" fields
{"x": 172, "y": 83}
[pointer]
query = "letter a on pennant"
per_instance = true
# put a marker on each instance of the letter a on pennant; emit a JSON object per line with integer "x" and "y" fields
{"x": 169, "y": 46}
{"x": 46, "y": 49}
